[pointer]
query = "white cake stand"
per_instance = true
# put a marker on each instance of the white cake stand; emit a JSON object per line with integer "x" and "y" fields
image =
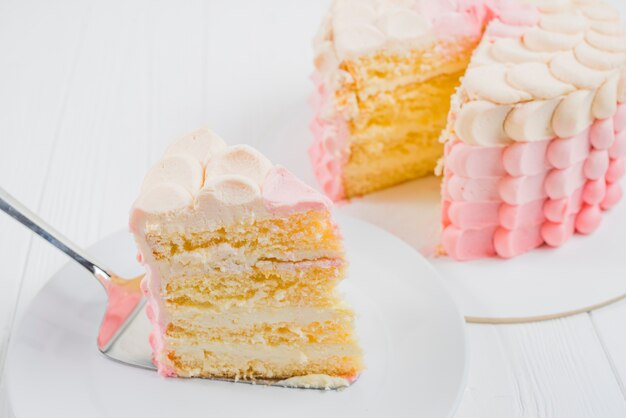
{"x": 584, "y": 274}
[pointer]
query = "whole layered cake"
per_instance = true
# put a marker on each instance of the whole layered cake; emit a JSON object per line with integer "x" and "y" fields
{"x": 242, "y": 262}
{"x": 533, "y": 135}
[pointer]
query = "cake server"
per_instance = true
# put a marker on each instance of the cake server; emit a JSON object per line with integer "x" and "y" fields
{"x": 123, "y": 333}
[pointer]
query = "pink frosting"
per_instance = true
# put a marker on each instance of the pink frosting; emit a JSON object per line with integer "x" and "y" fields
{"x": 156, "y": 315}
{"x": 285, "y": 193}
{"x": 506, "y": 201}
{"x": 328, "y": 152}
{"x": 454, "y": 18}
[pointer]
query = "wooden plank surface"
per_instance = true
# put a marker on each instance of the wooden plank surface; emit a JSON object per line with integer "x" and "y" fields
{"x": 549, "y": 369}
{"x": 32, "y": 104}
{"x": 610, "y": 326}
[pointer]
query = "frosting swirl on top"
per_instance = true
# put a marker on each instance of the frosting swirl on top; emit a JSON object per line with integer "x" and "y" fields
{"x": 553, "y": 79}
{"x": 359, "y": 27}
{"x": 201, "y": 176}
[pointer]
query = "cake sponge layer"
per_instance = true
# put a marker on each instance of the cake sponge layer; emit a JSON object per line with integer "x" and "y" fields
{"x": 386, "y": 70}
{"x": 184, "y": 333}
{"x": 270, "y": 284}
{"x": 279, "y": 237}
{"x": 254, "y": 362}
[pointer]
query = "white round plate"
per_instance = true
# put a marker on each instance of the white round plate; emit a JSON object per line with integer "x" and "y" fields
{"x": 411, "y": 332}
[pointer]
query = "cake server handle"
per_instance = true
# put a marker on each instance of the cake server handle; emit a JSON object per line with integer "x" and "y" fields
{"x": 29, "y": 219}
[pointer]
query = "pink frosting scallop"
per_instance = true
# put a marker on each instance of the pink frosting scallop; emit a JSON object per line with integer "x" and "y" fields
{"x": 616, "y": 170}
{"x": 473, "y": 190}
{"x": 509, "y": 243}
{"x": 328, "y": 151}
{"x": 468, "y": 244}
{"x": 562, "y": 183}
{"x": 596, "y": 165}
{"x": 473, "y": 214}
{"x": 475, "y": 162}
{"x": 588, "y": 219}
{"x": 559, "y": 210}
{"x": 518, "y": 216}
{"x": 546, "y": 191}
{"x": 594, "y": 192}
{"x": 522, "y": 189}
{"x": 613, "y": 195}
{"x": 601, "y": 133}
{"x": 618, "y": 149}
{"x": 556, "y": 234}
{"x": 565, "y": 152}
{"x": 526, "y": 159}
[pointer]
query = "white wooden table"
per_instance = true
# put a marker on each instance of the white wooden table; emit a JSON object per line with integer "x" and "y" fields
{"x": 92, "y": 91}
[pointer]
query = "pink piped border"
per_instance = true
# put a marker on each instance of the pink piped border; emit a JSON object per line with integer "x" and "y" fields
{"x": 533, "y": 207}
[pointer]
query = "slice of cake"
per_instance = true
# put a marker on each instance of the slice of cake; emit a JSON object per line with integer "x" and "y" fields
{"x": 536, "y": 135}
{"x": 242, "y": 262}
{"x": 385, "y": 71}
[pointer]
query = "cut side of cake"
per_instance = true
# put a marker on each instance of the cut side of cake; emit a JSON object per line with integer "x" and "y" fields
{"x": 242, "y": 262}
{"x": 385, "y": 71}
{"x": 536, "y": 135}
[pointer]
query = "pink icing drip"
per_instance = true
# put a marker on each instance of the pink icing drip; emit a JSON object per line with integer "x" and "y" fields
{"x": 328, "y": 151}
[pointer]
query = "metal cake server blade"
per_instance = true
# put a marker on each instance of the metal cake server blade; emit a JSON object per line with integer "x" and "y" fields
{"x": 125, "y": 329}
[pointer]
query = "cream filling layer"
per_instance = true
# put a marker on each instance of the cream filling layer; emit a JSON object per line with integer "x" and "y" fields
{"x": 227, "y": 258}
{"x": 278, "y": 355}
{"x": 242, "y": 318}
